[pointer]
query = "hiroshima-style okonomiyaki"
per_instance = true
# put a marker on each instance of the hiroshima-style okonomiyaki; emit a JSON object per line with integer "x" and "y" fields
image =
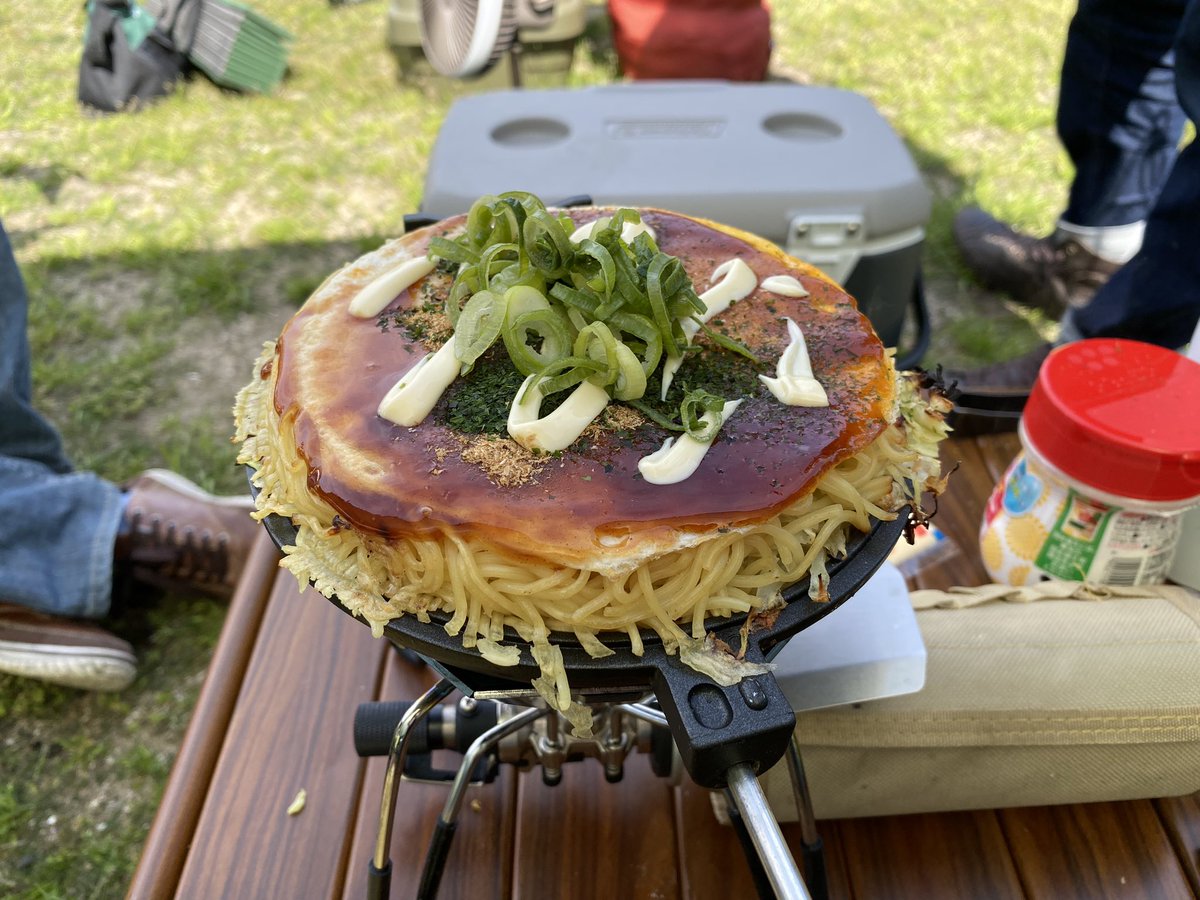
{"x": 591, "y": 421}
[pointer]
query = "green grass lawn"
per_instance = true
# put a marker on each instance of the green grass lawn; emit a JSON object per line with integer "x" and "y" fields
{"x": 162, "y": 248}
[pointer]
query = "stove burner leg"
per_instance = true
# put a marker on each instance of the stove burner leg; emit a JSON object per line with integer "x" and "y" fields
{"x": 379, "y": 872}
{"x": 764, "y": 831}
{"x": 443, "y": 833}
{"x": 762, "y": 883}
{"x": 814, "y": 848}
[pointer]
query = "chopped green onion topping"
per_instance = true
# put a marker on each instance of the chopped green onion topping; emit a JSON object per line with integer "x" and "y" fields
{"x": 604, "y": 310}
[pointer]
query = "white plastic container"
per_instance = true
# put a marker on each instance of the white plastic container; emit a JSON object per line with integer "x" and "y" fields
{"x": 1111, "y": 462}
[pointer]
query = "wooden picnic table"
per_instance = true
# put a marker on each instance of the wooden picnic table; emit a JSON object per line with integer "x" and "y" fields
{"x": 275, "y": 713}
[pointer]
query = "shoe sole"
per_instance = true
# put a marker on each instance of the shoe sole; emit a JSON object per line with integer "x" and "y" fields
{"x": 177, "y": 482}
{"x": 96, "y": 669}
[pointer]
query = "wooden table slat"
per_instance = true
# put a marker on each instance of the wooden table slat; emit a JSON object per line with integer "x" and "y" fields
{"x": 585, "y": 838}
{"x": 161, "y": 861}
{"x": 929, "y": 857}
{"x": 291, "y": 729}
{"x": 1180, "y": 817}
{"x": 1094, "y": 851}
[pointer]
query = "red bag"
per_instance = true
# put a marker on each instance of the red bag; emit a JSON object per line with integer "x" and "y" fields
{"x": 725, "y": 39}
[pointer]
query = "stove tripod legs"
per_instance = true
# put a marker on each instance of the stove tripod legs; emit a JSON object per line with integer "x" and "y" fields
{"x": 813, "y": 848}
{"x": 771, "y": 863}
{"x": 379, "y": 873}
{"x": 439, "y": 846}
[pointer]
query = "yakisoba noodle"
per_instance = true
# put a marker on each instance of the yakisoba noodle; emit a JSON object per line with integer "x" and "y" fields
{"x": 400, "y": 521}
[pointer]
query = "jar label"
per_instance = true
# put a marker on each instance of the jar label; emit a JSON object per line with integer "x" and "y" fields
{"x": 1073, "y": 542}
{"x": 1035, "y": 527}
{"x": 1095, "y": 542}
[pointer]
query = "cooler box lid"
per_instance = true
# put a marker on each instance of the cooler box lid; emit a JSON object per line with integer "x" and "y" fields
{"x": 754, "y": 156}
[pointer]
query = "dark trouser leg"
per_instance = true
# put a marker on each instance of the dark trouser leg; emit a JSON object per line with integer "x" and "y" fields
{"x": 1118, "y": 116}
{"x": 1156, "y": 296}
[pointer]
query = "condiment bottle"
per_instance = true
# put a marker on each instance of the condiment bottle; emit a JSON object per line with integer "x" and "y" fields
{"x": 1110, "y": 461}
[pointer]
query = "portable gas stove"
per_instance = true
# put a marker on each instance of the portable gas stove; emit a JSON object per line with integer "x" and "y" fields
{"x": 724, "y": 736}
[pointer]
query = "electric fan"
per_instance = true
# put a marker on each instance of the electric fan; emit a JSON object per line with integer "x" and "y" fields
{"x": 466, "y": 38}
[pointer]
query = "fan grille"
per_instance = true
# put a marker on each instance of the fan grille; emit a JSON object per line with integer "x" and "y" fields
{"x": 466, "y": 37}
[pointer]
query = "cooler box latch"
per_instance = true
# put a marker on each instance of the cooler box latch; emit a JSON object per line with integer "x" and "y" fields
{"x": 833, "y": 243}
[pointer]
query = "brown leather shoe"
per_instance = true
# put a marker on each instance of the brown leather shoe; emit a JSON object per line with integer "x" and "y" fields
{"x": 1047, "y": 273}
{"x": 182, "y": 537}
{"x": 63, "y": 651}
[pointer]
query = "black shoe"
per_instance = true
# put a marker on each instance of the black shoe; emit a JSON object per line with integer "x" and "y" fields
{"x": 991, "y": 398}
{"x": 1047, "y": 273}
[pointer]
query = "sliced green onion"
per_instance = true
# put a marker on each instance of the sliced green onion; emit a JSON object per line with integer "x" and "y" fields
{"x": 572, "y": 369}
{"x": 478, "y": 327}
{"x": 491, "y": 220}
{"x": 576, "y": 318}
{"x": 441, "y": 248}
{"x": 580, "y": 300}
{"x": 465, "y": 285}
{"x": 728, "y": 343}
{"x": 695, "y": 404}
{"x": 528, "y": 311}
{"x": 497, "y": 257}
{"x": 597, "y": 342}
{"x": 658, "y": 308}
{"x": 630, "y": 383}
{"x": 598, "y": 269}
{"x": 655, "y": 416}
{"x": 547, "y": 244}
{"x": 645, "y": 331}
{"x": 550, "y": 329}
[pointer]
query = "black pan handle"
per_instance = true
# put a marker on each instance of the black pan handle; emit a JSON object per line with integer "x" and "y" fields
{"x": 718, "y": 727}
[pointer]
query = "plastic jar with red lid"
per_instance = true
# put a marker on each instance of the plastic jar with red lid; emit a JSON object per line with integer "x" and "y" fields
{"x": 1110, "y": 461}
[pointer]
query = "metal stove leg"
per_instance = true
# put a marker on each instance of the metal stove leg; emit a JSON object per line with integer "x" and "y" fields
{"x": 379, "y": 872}
{"x": 814, "y": 847}
{"x": 764, "y": 832}
{"x": 758, "y": 875}
{"x": 443, "y": 832}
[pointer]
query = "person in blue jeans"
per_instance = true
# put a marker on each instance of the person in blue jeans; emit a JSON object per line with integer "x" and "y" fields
{"x": 1124, "y": 260}
{"x": 65, "y": 535}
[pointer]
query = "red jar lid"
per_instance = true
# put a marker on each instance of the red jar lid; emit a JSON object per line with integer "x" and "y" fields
{"x": 1119, "y": 416}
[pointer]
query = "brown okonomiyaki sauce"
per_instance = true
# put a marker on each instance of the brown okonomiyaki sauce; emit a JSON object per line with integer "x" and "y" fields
{"x": 765, "y": 457}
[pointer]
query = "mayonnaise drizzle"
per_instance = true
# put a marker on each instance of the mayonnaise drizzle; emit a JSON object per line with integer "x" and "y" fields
{"x": 794, "y": 383}
{"x": 559, "y": 429}
{"x": 677, "y": 460}
{"x": 374, "y": 298}
{"x": 629, "y": 231}
{"x": 737, "y": 280}
{"x": 784, "y": 285}
{"x": 419, "y": 389}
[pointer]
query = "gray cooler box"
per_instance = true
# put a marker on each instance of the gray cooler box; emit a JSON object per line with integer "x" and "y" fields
{"x": 816, "y": 170}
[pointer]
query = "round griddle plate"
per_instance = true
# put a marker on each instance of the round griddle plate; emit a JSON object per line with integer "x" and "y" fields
{"x": 715, "y": 727}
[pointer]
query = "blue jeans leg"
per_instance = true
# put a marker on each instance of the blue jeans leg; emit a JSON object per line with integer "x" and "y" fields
{"x": 1155, "y": 297}
{"x": 57, "y": 527}
{"x": 1118, "y": 115}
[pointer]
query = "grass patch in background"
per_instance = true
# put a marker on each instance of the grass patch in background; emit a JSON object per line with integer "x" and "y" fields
{"x": 162, "y": 248}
